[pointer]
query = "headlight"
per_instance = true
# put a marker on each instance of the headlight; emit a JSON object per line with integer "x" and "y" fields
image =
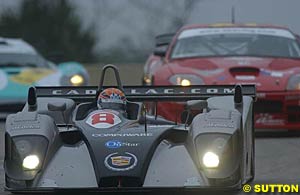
{"x": 76, "y": 80}
{"x": 219, "y": 154}
{"x": 24, "y": 155}
{"x": 185, "y": 79}
{"x": 26, "y": 151}
{"x": 147, "y": 80}
{"x": 31, "y": 162}
{"x": 210, "y": 160}
{"x": 185, "y": 82}
{"x": 294, "y": 82}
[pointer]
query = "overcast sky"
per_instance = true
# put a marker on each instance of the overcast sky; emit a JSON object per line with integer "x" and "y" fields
{"x": 136, "y": 20}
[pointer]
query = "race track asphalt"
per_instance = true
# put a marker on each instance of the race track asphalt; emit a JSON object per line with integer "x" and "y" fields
{"x": 277, "y": 160}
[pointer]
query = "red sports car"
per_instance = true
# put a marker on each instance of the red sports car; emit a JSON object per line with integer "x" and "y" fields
{"x": 267, "y": 56}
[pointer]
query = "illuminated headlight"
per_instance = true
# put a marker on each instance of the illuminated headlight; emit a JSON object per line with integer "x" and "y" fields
{"x": 24, "y": 155}
{"x": 210, "y": 160}
{"x": 294, "y": 82}
{"x": 147, "y": 79}
{"x": 185, "y": 79}
{"x": 27, "y": 152}
{"x": 77, "y": 80}
{"x": 31, "y": 162}
{"x": 185, "y": 82}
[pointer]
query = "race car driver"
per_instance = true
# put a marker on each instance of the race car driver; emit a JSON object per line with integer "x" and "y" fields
{"x": 114, "y": 99}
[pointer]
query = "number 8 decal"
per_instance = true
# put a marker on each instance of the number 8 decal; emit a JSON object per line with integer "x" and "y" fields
{"x": 103, "y": 120}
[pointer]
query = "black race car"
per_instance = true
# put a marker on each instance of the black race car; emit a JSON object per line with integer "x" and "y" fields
{"x": 63, "y": 141}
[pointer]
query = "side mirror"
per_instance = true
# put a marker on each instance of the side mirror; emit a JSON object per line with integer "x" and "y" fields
{"x": 196, "y": 104}
{"x": 164, "y": 39}
{"x": 161, "y": 52}
{"x": 57, "y": 106}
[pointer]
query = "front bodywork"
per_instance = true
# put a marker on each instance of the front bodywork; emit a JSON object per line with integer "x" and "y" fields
{"x": 21, "y": 66}
{"x": 277, "y": 106}
{"x": 124, "y": 154}
{"x": 278, "y": 110}
{"x": 16, "y": 81}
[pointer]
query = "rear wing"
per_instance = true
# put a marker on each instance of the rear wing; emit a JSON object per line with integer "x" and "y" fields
{"x": 148, "y": 93}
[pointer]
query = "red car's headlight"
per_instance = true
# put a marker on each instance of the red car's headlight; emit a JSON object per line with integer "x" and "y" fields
{"x": 294, "y": 82}
{"x": 186, "y": 79}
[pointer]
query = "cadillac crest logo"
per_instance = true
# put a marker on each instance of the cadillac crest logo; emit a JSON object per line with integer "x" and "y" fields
{"x": 117, "y": 162}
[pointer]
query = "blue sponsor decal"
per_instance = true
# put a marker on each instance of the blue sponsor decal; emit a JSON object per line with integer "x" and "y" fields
{"x": 113, "y": 144}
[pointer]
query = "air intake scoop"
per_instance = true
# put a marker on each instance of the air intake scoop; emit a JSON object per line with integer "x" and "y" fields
{"x": 244, "y": 71}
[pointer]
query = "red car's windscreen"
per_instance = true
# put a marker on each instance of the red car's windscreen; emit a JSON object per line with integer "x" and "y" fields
{"x": 262, "y": 42}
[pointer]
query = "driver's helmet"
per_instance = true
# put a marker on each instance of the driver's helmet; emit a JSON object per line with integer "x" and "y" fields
{"x": 111, "y": 98}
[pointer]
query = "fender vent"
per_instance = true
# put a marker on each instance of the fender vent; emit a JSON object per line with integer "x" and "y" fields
{"x": 244, "y": 71}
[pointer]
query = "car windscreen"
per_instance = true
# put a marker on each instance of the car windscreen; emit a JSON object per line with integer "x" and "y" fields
{"x": 237, "y": 42}
{"x": 17, "y": 60}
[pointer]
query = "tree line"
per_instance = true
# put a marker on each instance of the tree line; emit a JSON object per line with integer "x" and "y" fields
{"x": 55, "y": 30}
